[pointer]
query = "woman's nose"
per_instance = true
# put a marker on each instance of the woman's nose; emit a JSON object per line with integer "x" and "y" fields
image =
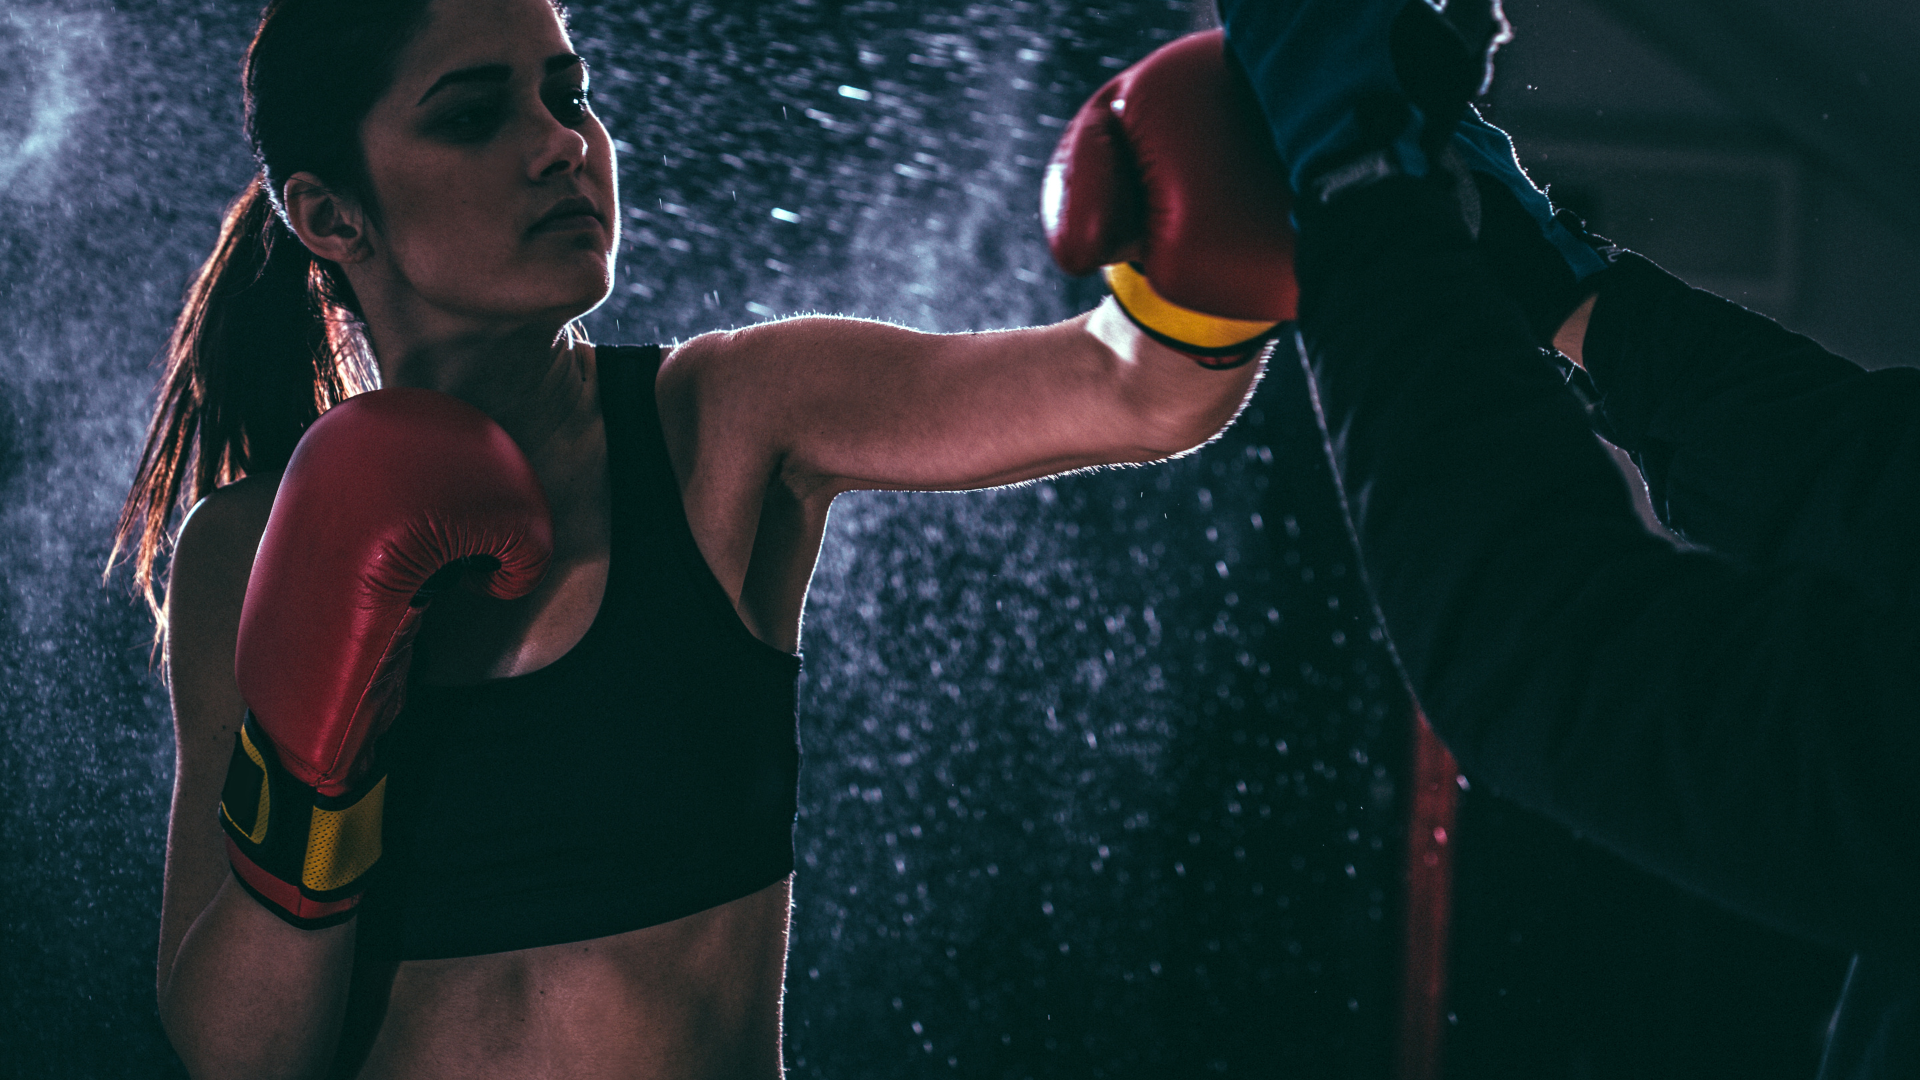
{"x": 563, "y": 151}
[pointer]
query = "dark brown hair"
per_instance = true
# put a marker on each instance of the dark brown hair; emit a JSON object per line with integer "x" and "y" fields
{"x": 269, "y": 336}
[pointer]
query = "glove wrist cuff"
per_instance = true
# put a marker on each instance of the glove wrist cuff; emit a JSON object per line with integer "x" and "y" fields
{"x": 305, "y": 856}
{"x": 1212, "y": 341}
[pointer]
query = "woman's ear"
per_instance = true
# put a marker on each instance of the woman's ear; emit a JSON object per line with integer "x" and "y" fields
{"x": 331, "y": 225}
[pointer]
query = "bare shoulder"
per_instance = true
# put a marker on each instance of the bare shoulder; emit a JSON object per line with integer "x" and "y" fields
{"x": 773, "y": 370}
{"x": 207, "y": 585}
{"x": 696, "y": 370}
{"x": 236, "y": 513}
{"x": 681, "y": 392}
{"x": 738, "y": 401}
{"x": 686, "y": 362}
{"x": 728, "y": 385}
{"x": 677, "y": 387}
{"x": 215, "y": 551}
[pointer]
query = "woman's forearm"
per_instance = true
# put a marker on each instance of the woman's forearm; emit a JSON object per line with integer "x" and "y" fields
{"x": 250, "y": 996}
{"x": 1178, "y": 403}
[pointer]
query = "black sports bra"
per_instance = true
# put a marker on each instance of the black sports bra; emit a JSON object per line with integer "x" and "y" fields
{"x": 648, "y": 774}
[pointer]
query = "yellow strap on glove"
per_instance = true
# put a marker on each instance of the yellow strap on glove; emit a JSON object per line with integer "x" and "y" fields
{"x": 1195, "y": 333}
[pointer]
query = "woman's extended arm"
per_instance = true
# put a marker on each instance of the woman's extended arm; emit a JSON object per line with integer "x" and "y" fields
{"x": 1167, "y": 179}
{"x": 766, "y": 425}
{"x": 242, "y": 993}
{"x": 843, "y": 404}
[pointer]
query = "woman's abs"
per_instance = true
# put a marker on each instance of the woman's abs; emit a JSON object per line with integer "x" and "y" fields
{"x": 698, "y": 997}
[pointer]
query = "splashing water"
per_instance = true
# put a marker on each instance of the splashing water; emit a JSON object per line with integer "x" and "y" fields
{"x": 44, "y": 45}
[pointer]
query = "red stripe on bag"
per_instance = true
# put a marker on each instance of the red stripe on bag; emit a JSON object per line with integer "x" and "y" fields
{"x": 1423, "y": 995}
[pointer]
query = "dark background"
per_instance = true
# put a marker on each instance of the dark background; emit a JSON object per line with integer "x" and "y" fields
{"x": 1104, "y": 774}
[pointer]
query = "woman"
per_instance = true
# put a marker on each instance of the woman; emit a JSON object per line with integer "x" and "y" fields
{"x": 434, "y": 179}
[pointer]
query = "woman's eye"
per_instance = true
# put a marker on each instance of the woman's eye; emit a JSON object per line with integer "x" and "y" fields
{"x": 471, "y": 123}
{"x": 571, "y": 106}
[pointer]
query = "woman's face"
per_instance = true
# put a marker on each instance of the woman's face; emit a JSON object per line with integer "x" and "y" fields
{"x": 495, "y": 181}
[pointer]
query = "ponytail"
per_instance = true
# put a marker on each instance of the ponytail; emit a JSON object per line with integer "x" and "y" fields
{"x": 269, "y": 338}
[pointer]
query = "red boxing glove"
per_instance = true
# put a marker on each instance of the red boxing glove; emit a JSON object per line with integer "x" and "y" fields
{"x": 384, "y": 492}
{"x": 1167, "y": 177}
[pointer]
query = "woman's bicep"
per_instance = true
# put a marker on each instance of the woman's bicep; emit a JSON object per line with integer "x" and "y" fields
{"x": 207, "y": 586}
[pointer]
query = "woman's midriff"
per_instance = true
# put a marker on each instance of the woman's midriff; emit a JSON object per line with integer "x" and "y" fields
{"x": 695, "y": 998}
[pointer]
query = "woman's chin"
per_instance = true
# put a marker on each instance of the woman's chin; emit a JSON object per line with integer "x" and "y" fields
{"x": 595, "y": 291}
{"x": 573, "y": 288}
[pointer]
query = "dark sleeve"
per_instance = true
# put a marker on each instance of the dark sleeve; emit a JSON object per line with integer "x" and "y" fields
{"x": 1748, "y": 733}
{"x": 1755, "y": 441}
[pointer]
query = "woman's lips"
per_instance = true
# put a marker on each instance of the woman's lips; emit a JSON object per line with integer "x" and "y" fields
{"x": 570, "y": 215}
{"x": 568, "y": 223}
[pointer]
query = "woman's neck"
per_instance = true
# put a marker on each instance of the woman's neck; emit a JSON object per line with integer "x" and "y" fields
{"x": 536, "y": 383}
